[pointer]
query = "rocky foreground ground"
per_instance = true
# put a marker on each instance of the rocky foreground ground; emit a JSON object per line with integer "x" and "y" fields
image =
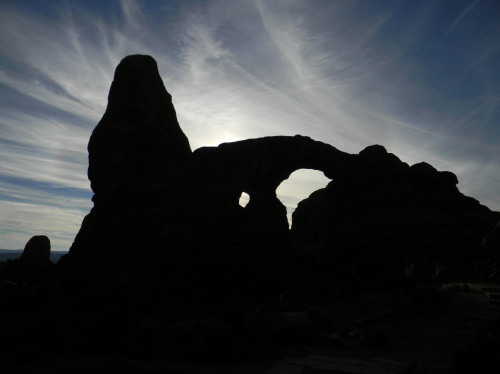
{"x": 430, "y": 330}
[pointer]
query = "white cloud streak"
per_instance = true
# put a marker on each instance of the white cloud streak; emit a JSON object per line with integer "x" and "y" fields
{"x": 238, "y": 70}
{"x": 26, "y": 219}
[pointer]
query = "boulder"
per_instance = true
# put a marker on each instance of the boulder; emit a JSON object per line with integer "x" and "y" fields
{"x": 37, "y": 251}
{"x": 33, "y": 267}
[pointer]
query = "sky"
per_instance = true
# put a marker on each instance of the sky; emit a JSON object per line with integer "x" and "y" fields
{"x": 421, "y": 78}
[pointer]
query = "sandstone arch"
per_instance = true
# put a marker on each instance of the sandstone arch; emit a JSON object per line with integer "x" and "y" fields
{"x": 160, "y": 208}
{"x": 256, "y": 167}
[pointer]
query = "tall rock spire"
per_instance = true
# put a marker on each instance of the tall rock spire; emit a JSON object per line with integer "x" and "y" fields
{"x": 138, "y": 136}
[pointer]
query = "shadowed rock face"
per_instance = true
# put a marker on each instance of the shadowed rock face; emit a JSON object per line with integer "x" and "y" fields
{"x": 139, "y": 136}
{"x": 33, "y": 267}
{"x": 383, "y": 210}
{"x": 491, "y": 243}
{"x": 163, "y": 212}
{"x": 37, "y": 250}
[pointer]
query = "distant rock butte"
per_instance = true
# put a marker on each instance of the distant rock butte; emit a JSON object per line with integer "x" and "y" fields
{"x": 37, "y": 251}
{"x": 161, "y": 209}
{"x": 33, "y": 267}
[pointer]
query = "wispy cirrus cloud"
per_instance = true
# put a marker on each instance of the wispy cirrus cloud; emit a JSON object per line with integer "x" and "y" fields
{"x": 59, "y": 224}
{"x": 410, "y": 76}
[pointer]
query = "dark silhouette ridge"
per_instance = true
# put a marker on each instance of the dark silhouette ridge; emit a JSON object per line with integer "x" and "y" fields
{"x": 157, "y": 205}
{"x": 382, "y": 210}
{"x": 37, "y": 250}
{"x": 33, "y": 266}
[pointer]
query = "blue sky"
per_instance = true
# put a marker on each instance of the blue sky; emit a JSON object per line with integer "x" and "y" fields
{"x": 420, "y": 77}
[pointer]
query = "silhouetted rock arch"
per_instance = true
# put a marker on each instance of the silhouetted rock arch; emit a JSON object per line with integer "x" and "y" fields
{"x": 168, "y": 261}
{"x": 160, "y": 209}
{"x": 257, "y": 167}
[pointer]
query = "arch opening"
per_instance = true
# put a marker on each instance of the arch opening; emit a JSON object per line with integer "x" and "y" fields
{"x": 244, "y": 199}
{"x": 299, "y": 186}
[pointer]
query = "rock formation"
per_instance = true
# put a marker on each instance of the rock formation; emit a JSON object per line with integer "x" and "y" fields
{"x": 382, "y": 210}
{"x": 491, "y": 243}
{"x": 156, "y": 203}
{"x": 168, "y": 267}
{"x": 37, "y": 251}
{"x": 34, "y": 265}
{"x": 139, "y": 136}
{"x": 256, "y": 167}
{"x": 134, "y": 153}
{"x": 163, "y": 212}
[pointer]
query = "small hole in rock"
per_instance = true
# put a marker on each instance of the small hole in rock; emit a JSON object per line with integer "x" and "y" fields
{"x": 244, "y": 199}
